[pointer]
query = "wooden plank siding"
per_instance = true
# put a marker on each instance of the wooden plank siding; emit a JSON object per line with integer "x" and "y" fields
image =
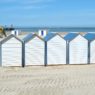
{"x": 56, "y": 51}
{"x": 12, "y": 53}
{"x": 34, "y": 52}
{"x": 78, "y": 50}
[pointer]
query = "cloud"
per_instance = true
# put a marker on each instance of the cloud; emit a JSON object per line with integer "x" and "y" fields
{"x": 36, "y": 1}
{"x": 26, "y": 1}
{"x": 7, "y": 1}
{"x": 33, "y": 7}
{"x": 24, "y": 5}
{"x": 35, "y": 4}
{"x": 32, "y": 2}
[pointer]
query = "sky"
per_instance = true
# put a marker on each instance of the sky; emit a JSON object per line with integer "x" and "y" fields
{"x": 58, "y": 13}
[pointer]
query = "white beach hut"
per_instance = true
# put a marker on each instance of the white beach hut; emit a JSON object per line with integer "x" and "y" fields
{"x": 11, "y": 51}
{"x": 34, "y": 50}
{"x": 91, "y": 47}
{"x": 42, "y": 33}
{"x": 77, "y": 49}
{"x": 15, "y": 32}
{"x": 56, "y": 49}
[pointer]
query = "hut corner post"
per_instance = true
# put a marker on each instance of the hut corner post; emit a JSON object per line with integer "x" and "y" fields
{"x": 45, "y": 54}
{"x": 67, "y": 52}
{"x": 88, "y": 61}
{"x": 0, "y": 55}
{"x": 23, "y": 54}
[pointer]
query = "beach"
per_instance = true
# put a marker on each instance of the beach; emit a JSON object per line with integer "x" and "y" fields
{"x": 50, "y": 80}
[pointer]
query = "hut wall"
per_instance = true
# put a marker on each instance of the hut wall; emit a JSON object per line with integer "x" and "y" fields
{"x": 92, "y": 52}
{"x": 78, "y": 50}
{"x": 34, "y": 52}
{"x": 56, "y": 51}
{"x": 12, "y": 53}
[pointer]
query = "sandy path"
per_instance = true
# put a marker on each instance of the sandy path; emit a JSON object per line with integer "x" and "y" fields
{"x": 55, "y": 80}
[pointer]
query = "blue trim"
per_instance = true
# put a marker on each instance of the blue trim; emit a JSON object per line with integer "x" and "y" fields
{"x": 88, "y": 52}
{"x": 45, "y": 51}
{"x": 70, "y": 36}
{"x": 23, "y": 54}
{"x": 67, "y": 52}
{"x": 90, "y": 36}
{"x": 49, "y": 36}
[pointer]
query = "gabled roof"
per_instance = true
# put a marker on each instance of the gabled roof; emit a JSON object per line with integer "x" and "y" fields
{"x": 90, "y": 36}
{"x": 29, "y": 37}
{"x": 49, "y": 36}
{"x": 9, "y": 37}
{"x": 70, "y": 36}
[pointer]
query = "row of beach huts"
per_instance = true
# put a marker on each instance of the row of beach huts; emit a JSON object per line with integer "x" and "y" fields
{"x": 53, "y": 49}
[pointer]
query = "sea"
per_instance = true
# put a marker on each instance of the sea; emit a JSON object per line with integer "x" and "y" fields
{"x": 57, "y": 29}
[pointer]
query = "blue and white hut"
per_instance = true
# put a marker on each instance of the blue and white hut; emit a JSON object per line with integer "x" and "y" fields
{"x": 11, "y": 51}
{"x": 56, "y": 49}
{"x": 34, "y": 50}
{"x": 91, "y": 47}
{"x": 76, "y": 49}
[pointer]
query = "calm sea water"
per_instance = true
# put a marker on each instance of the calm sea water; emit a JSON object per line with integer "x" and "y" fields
{"x": 60, "y": 29}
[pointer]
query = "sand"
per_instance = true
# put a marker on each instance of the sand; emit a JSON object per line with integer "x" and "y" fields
{"x": 51, "y": 80}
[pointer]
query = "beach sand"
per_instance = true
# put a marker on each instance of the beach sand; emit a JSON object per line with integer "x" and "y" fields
{"x": 51, "y": 80}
